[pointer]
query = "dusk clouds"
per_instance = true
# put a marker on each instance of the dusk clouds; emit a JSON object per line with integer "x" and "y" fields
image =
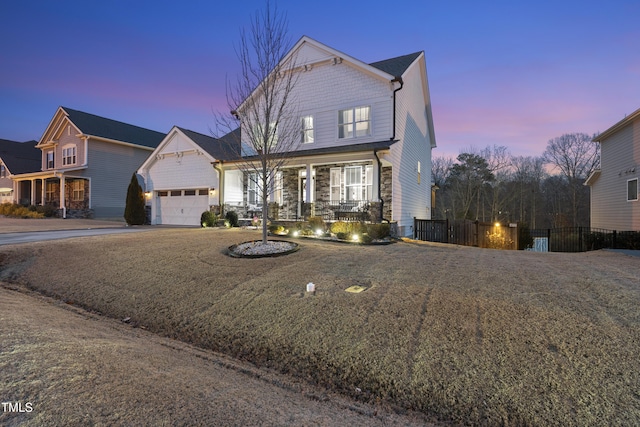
{"x": 500, "y": 74}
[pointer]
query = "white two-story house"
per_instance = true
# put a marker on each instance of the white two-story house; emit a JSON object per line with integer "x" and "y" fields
{"x": 366, "y": 135}
{"x": 86, "y": 164}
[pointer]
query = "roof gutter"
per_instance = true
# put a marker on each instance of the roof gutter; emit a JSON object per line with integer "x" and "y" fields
{"x": 397, "y": 79}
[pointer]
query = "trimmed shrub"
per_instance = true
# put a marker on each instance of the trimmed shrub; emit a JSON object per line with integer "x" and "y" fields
{"x": 342, "y": 235}
{"x": 232, "y": 218}
{"x": 276, "y": 229}
{"x": 339, "y": 227}
{"x": 18, "y": 211}
{"x": 47, "y": 210}
{"x": 134, "y": 212}
{"x": 378, "y": 231}
{"x": 208, "y": 219}
{"x": 316, "y": 223}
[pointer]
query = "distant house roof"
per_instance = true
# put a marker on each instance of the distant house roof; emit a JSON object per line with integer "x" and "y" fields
{"x": 224, "y": 148}
{"x": 20, "y": 157}
{"x": 93, "y": 125}
{"x": 613, "y": 129}
{"x": 396, "y": 66}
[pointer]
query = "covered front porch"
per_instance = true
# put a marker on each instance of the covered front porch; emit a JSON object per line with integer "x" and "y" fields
{"x": 69, "y": 195}
{"x": 350, "y": 190}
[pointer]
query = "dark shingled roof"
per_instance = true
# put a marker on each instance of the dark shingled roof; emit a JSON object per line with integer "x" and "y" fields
{"x": 93, "y": 125}
{"x": 353, "y": 148}
{"x": 396, "y": 66}
{"x": 224, "y": 148}
{"x": 20, "y": 157}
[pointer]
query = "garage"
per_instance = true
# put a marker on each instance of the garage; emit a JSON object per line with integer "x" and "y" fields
{"x": 181, "y": 207}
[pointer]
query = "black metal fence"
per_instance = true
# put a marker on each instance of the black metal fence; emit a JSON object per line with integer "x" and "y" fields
{"x": 467, "y": 233}
{"x": 487, "y": 235}
{"x": 582, "y": 239}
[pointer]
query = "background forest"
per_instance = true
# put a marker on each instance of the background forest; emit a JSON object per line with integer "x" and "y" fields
{"x": 492, "y": 185}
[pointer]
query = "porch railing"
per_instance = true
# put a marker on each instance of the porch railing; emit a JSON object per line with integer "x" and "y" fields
{"x": 346, "y": 210}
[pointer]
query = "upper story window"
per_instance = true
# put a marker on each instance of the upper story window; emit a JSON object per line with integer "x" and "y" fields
{"x": 3, "y": 171}
{"x": 50, "y": 160}
{"x": 632, "y": 190}
{"x": 307, "y": 129}
{"x": 69, "y": 155}
{"x": 354, "y": 122}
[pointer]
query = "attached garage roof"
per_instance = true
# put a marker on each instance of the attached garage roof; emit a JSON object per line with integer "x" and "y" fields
{"x": 225, "y": 148}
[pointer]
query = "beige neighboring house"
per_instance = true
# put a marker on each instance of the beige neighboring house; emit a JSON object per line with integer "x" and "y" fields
{"x": 85, "y": 165}
{"x": 614, "y": 187}
{"x": 16, "y": 158}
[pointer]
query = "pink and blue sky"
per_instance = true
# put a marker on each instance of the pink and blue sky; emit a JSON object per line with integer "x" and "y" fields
{"x": 500, "y": 72}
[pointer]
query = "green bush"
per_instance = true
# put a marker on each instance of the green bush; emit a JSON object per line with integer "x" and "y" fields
{"x": 342, "y": 235}
{"x": 18, "y": 211}
{"x": 378, "y": 231}
{"x": 134, "y": 212}
{"x": 276, "y": 229}
{"x": 47, "y": 210}
{"x": 208, "y": 219}
{"x": 339, "y": 227}
{"x": 232, "y": 218}
{"x": 316, "y": 223}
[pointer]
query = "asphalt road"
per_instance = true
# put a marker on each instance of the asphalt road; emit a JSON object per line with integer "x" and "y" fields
{"x": 36, "y": 236}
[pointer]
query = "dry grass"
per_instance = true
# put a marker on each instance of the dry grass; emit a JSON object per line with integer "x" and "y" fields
{"x": 471, "y": 335}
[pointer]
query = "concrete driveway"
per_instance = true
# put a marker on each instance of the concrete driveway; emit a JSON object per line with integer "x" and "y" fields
{"x": 16, "y": 230}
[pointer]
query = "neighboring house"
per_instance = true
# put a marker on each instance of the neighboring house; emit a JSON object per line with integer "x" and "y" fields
{"x": 614, "y": 187}
{"x": 366, "y": 134}
{"x": 180, "y": 181}
{"x": 86, "y": 164}
{"x": 16, "y": 158}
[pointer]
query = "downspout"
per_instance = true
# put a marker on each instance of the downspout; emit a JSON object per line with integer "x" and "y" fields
{"x": 397, "y": 79}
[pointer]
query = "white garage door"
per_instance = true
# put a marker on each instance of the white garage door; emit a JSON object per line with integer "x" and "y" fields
{"x": 181, "y": 207}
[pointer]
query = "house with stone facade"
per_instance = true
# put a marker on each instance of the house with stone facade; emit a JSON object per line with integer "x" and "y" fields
{"x": 615, "y": 203}
{"x": 16, "y": 158}
{"x": 366, "y": 135}
{"x": 85, "y": 164}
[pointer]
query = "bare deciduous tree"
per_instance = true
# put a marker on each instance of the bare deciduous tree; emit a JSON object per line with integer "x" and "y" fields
{"x": 576, "y": 156}
{"x": 262, "y": 104}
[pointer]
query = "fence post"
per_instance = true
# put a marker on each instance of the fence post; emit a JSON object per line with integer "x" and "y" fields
{"x": 415, "y": 228}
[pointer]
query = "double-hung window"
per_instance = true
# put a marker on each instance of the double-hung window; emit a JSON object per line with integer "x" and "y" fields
{"x": 632, "y": 190}
{"x": 307, "y": 129}
{"x": 254, "y": 193}
{"x": 3, "y": 171}
{"x": 50, "y": 160}
{"x": 69, "y": 155}
{"x": 78, "y": 190}
{"x": 354, "y": 122}
{"x": 356, "y": 181}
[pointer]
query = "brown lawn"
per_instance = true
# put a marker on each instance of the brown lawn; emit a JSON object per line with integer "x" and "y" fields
{"x": 472, "y": 336}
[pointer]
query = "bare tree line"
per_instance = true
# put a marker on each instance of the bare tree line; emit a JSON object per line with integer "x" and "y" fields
{"x": 544, "y": 191}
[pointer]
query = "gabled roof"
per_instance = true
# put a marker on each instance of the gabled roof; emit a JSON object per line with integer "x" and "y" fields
{"x": 613, "y": 129}
{"x": 224, "y": 148}
{"x": 396, "y": 66}
{"x": 92, "y": 125}
{"x": 20, "y": 157}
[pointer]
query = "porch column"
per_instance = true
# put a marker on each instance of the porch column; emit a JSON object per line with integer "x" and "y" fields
{"x": 310, "y": 182}
{"x": 33, "y": 191}
{"x": 62, "y": 203}
{"x": 375, "y": 190}
{"x": 43, "y": 192}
